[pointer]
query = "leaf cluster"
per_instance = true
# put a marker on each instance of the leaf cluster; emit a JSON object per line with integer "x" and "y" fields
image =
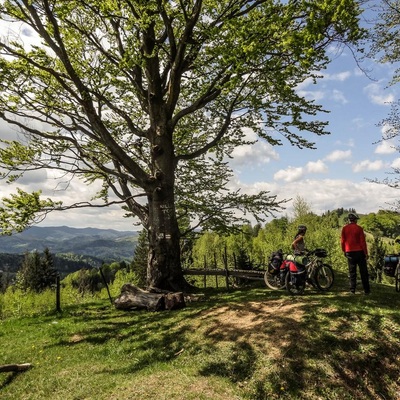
{"x": 23, "y": 209}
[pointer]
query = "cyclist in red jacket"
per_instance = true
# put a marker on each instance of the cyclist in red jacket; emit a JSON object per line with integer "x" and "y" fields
{"x": 355, "y": 249}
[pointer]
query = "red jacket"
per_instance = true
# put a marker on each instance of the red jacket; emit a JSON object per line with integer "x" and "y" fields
{"x": 353, "y": 238}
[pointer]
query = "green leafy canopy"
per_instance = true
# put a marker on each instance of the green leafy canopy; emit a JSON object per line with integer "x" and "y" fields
{"x": 144, "y": 95}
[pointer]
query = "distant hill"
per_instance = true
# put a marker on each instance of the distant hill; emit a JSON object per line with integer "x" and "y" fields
{"x": 89, "y": 244}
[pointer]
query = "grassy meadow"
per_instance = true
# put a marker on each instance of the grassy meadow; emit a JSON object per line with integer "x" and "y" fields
{"x": 248, "y": 343}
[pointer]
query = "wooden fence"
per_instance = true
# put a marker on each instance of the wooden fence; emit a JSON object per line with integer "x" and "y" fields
{"x": 227, "y": 273}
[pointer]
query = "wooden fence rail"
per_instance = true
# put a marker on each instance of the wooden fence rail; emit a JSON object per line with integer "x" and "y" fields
{"x": 236, "y": 273}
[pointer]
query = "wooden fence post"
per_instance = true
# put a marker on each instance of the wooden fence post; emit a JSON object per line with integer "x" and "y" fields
{"x": 226, "y": 268}
{"x": 58, "y": 293}
{"x": 105, "y": 282}
{"x": 205, "y": 276}
{"x": 235, "y": 267}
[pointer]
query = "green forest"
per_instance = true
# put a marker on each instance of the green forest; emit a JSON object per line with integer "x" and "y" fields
{"x": 254, "y": 244}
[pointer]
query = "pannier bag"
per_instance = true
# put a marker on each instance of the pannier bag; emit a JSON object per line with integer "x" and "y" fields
{"x": 390, "y": 265}
{"x": 297, "y": 273}
{"x": 283, "y": 270}
{"x": 275, "y": 262}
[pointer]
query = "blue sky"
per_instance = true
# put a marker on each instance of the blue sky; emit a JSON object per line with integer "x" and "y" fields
{"x": 334, "y": 175}
{"x": 337, "y": 173}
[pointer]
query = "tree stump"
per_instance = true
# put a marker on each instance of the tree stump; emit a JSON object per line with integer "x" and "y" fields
{"x": 134, "y": 298}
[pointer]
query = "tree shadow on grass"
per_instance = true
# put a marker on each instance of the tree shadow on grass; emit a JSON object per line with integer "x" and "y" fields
{"x": 237, "y": 364}
{"x": 274, "y": 345}
{"x": 9, "y": 378}
{"x": 315, "y": 349}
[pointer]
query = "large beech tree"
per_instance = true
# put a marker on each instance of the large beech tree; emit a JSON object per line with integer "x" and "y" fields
{"x": 151, "y": 97}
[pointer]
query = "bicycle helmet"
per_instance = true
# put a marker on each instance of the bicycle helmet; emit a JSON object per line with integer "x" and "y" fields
{"x": 302, "y": 228}
{"x": 352, "y": 217}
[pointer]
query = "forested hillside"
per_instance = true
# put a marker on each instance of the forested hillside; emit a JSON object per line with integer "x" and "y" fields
{"x": 72, "y": 248}
{"x": 63, "y": 239}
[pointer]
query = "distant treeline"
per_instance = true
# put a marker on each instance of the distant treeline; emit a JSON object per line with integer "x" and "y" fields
{"x": 63, "y": 263}
{"x": 252, "y": 245}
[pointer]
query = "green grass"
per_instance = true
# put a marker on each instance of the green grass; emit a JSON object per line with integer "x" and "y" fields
{"x": 251, "y": 343}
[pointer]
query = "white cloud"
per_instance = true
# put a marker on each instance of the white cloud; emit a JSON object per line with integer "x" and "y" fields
{"x": 367, "y": 165}
{"x": 385, "y": 147}
{"x": 111, "y": 217}
{"x": 340, "y": 76}
{"x": 376, "y": 94}
{"x": 102, "y": 218}
{"x": 33, "y": 178}
{"x": 306, "y": 83}
{"x": 254, "y": 155}
{"x": 316, "y": 167}
{"x": 338, "y": 155}
{"x": 316, "y": 95}
{"x": 319, "y": 95}
{"x": 291, "y": 174}
{"x": 294, "y": 174}
{"x": 8, "y": 132}
{"x": 329, "y": 194}
{"x": 348, "y": 143}
{"x": 339, "y": 97}
{"x": 19, "y": 31}
{"x": 395, "y": 163}
{"x": 389, "y": 132}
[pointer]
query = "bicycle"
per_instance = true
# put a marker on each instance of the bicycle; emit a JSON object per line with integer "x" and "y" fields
{"x": 317, "y": 274}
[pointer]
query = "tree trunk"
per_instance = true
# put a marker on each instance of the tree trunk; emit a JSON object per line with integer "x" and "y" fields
{"x": 164, "y": 269}
{"x": 164, "y": 263}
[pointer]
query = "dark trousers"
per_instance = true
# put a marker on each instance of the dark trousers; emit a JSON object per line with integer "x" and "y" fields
{"x": 354, "y": 259}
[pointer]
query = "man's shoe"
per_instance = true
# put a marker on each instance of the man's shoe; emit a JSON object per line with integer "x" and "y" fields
{"x": 352, "y": 292}
{"x": 367, "y": 293}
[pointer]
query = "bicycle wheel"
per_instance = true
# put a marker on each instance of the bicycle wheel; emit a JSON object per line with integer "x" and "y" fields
{"x": 293, "y": 286}
{"x": 324, "y": 277}
{"x": 397, "y": 278}
{"x": 273, "y": 281}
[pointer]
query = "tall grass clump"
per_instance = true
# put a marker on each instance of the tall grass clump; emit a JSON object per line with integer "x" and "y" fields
{"x": 121, "y": 277}
{"x": 19, "y": 303}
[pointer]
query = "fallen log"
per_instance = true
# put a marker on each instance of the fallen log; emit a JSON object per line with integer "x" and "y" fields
{"x": 174, "y": 301}
{"x": 14, "y": 367}
{"x": 133, "y": 297}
